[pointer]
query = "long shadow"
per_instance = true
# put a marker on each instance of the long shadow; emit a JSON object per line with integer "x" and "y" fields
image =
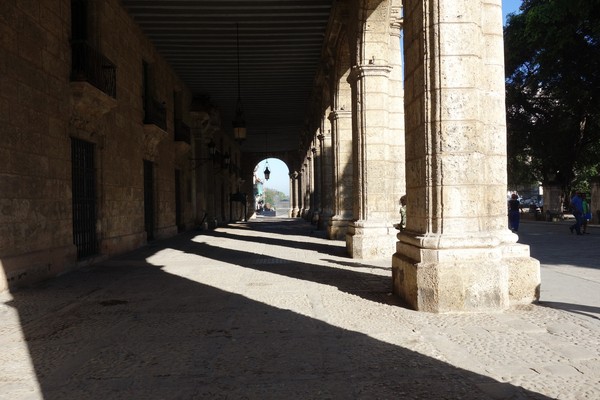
{"x": 588, "y": 311}
{"x": 125, "y": 329}
{"x": 357, "y": 264}
{"x": 368, "y": 286}
{"x": 312, "y": 246}
{"x": 271, "y": 227}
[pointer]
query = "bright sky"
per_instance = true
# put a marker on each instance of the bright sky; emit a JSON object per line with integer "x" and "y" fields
{"x": 280, "y": 179}
{"x": 510, "y": 6}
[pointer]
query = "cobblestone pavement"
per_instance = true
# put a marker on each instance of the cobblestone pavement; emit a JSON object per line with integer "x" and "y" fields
{"x": 271, "y": 310}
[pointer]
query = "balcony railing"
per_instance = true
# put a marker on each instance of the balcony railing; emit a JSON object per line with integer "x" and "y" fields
{"x": 89, "y": 65}
{"x": 182, "y": 132}
{"x": 155, "y": 112}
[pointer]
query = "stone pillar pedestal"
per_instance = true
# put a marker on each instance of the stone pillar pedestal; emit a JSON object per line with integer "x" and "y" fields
{"x": 455, "y": 278}
{"x": 370, "y": 239}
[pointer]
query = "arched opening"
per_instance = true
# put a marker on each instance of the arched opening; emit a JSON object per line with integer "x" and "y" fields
{"x": 272, "y": 195}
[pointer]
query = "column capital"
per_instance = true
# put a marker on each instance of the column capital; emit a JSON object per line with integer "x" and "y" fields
{"x": 396, "y": 20}
{"x": 339, "y": 114}
{"x": 359, "y": 72}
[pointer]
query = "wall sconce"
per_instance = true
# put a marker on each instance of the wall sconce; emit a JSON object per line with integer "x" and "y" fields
{"x": 226, "y": 160}
{"x": 212, "y": 148}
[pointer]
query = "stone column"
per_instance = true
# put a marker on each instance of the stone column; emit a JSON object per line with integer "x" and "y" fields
{"x": 341, "y": 128}
{"x": 396, "y": 180}
{"x": 457, "y": 254}
{"x": 301, "y": 191}
{"x": 326, "y": 179}
{"x": 294, "y": 194}
{"x": 308, "y": 210}
{"x": 377, "y": 159}
{"x": 316, "y": 183}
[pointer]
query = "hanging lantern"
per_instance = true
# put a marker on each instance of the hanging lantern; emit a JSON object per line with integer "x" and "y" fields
{"x": 239, "y": 123}
{"x": 266, "y": 172}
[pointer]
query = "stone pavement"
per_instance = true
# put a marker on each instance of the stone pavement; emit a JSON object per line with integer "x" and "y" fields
{"x": 271, "y": 310}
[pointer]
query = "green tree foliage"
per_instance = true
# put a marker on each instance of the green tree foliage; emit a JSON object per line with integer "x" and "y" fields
{"x": 273, "y": 197}
{"x": 552, "y": 53}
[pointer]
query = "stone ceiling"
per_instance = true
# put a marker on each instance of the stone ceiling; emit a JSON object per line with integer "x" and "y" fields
{"x": 280, "y": 44}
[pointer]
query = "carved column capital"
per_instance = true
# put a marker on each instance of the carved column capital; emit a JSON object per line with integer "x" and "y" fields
{"x": 359, "y": 72}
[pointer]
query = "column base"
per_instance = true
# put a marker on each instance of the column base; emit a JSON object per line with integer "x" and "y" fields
{"x": 369, "y": 239}
{"x": 337, "y": 228}
{"x": 324, "y": 219}
{"x": 465, "y": 279}
{"x": 524, "y": 278}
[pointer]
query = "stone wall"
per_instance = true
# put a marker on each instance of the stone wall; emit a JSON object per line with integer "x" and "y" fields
{"x": 41, "y": 110}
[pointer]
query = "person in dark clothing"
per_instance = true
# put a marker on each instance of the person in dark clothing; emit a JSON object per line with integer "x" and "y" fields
{"x": 577, "y": 209}
{"x": 514, "y": 212}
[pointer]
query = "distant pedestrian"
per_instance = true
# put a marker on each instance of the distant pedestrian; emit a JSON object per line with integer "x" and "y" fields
{"x": 514, "y": 213}
{"x": 587, "y": 214}
{"x": 577, "y": 210}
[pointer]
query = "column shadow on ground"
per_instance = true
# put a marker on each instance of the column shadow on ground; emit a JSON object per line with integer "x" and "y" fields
{"x": 306, "y": 245}
{"x": 125, "y": 329}
{"x": 588, "y": 311}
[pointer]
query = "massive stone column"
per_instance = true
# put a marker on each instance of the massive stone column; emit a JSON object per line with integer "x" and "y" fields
{"x": 316, "y": 184}
{"x": 300, "y": 192}
{"x": 326, "y": 179}
{"x": 341, "y": 136}
{"x": 457, "y": 253}
{"x": 294, "y": 194}
{"x": 308, "y": 185}
{"x": 377, "y": 158}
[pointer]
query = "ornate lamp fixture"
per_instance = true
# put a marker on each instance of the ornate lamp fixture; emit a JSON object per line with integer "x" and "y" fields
{"x": 239, "y": 123}
{"x": 266, "y": 172}
{"x": 212, "y": 153}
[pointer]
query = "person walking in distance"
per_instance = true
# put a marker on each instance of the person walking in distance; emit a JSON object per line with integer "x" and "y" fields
{"x": 514, "y": 213}
{"x": 587, "y": 214}
{"x": 577, "y": 209}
